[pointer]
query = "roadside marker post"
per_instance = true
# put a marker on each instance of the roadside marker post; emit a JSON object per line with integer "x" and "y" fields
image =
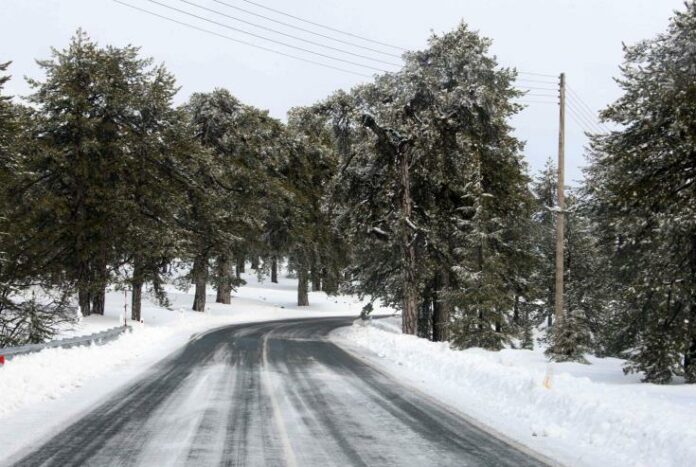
{"x": 2, "y": 360}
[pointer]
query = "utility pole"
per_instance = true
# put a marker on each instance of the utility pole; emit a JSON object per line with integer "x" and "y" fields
{"x": 560, "y": 209}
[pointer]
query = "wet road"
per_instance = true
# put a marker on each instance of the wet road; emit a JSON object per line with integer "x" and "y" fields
{"x": 276, "y": 394}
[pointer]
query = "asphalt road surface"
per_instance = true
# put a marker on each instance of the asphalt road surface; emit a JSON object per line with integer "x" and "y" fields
{"x": 275, "y": 394}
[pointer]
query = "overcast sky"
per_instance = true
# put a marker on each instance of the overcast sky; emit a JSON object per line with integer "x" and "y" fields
{"x": 579, "y": 37}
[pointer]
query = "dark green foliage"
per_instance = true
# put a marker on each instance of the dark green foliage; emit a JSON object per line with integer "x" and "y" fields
{"x": 642, "y": 188}
{"x": 569, "y": 339}
{"x": 228, "y": 209}
{"x": 315, "y": 248}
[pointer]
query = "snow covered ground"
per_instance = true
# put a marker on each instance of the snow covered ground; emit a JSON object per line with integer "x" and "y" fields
{"x": 578, "y": 414}
{"x": 41, "y": 392}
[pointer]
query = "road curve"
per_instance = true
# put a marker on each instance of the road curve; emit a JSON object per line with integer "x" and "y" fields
{"x": 277, "y": 394}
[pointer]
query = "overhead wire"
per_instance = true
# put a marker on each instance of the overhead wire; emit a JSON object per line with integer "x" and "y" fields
{"x": 275, "y": 31}
{"x": 259, "y": 36}
{"x": 587, "y": 125}
{"x": 541, "y": 75}
{"x": 239, "y": 41}
{"x": 536, "y": 81}
{"x": 537, "y": 88}
{"x": 585, "y": 114}
{"x": 308, "y": 31}
{"x": 538, "y": 102}
{"x": 574, "y": 117}
{"x": 582, "y": 106}
{"x": 579, "y": 110}
{"x": 329, "y": 28}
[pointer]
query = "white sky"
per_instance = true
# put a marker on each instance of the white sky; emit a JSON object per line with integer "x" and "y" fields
{"x": 580, "y": 37}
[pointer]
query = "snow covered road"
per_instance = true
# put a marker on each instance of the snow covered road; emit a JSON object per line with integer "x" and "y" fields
{"x": 273, "y": 393}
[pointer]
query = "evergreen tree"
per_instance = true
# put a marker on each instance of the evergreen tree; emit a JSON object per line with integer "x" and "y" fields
{"x": 70, "y": 189}
{"x": 226, "y": 220}
{"x": 317, "y": 252}
{"x": 160, "y": 143}
{"x": 408, "y": 143}
{"x": 544, "y": 188}
{"x": 571, "y": 339}
{"x": 642, "y": 188}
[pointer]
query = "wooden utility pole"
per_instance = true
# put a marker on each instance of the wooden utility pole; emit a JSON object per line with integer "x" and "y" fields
{"x": 560, "y": 209}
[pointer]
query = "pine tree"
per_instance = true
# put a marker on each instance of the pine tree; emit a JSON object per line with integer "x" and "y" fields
{"x": 641, "y": 186}
{"x": 70, "y": 190}
{"x": 155, "y": 184}
{"x": 316, "y": 251}
{"x": 570, "y": 339}
{"x": 544, "y": 225}
{"x": 225, "y": 219}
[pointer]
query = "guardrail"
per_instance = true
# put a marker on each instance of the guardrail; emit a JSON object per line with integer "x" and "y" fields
{"x": 96, "y": 338}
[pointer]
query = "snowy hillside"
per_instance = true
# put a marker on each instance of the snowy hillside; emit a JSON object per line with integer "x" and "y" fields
{"x": 578, "y": 414}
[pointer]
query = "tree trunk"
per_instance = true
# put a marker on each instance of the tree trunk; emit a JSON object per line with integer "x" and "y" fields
{"x": 240, "y": 266}
{"x": 441, "y": 309}
{"x": 424, "y": 316}
{"x": 98, "y": 300}
{"x": 302, "y": 286}
{"x": 274, "y": 270}
{"x": 84, "y": 300}
{"x": 99, "y": 285}
{"x": 316, "y": 280}
{"x": 254, "y": 262}
{"x": 330, "y": 281}
{"x": 690, "y": 362}
{"x": 409, "y": 315}
{"x": 690, "y": 354}
{"x": 224, "y": 280}
{"x": 516, "y": 310}
{"x": 200, "y": 279}
{"x": 137, "y": 293}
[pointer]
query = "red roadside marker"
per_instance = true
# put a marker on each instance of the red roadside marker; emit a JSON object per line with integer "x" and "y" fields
{"x": 2, "y": 360}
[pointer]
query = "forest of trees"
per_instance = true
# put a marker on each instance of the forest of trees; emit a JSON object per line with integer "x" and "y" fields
{"x": 411, "y": 189}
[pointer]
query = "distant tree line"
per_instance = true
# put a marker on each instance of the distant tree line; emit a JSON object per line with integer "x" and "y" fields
{"x": 411, "y": 190}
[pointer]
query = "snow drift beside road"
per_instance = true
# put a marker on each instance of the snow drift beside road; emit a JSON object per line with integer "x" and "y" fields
{"x": 588, "y": 414}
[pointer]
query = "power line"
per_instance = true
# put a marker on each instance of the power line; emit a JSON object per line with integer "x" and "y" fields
{"x": 535, "y": 94}
{"x": 530, "y": 73}
{"x": 313, "y": 23}
{"x": 589, "y": 127}
{"x": 265, "y": 28}
{"x": 575, "y": 119}
{"x": 538, "y": 81}
{"x": 583, "y": 106}
{"x": 538, "y": 102}
{"x": 277, "y": 52}
{"x": 589, "y": 121}
{"x": 309, "y": 31}
{"x": 577, "y": 96}
{"x": 258, "y": 36}
{"x": 538, "y": 88}
{"x": 589, "y": 115}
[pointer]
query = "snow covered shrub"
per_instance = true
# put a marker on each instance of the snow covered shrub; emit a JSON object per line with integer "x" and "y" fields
{"x": 31, "y": 321}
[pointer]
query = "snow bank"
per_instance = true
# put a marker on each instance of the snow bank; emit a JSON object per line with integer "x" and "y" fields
{"x": 578, "y": 414}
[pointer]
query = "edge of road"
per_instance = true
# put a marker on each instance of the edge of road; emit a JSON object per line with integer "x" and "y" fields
{"x": 371, "y": 359}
